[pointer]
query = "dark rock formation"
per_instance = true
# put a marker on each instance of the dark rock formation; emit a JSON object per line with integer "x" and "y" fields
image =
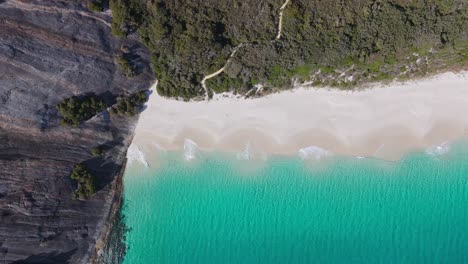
{"x": 51, "y": 50}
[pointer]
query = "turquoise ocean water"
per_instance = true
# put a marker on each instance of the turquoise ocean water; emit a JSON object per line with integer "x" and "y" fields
{"x": 217, "y": 209}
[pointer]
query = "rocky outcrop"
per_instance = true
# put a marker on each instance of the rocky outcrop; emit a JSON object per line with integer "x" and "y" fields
{"x": 50, "y": 50}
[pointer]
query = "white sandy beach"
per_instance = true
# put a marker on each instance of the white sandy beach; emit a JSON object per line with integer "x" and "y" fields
{"x": 385, "y": 121}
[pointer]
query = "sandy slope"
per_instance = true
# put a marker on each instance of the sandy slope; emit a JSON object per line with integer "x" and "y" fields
{"x": 384, "y": 122}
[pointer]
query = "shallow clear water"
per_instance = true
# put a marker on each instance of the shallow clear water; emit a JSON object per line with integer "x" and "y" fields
{"x": 343, "y": 210}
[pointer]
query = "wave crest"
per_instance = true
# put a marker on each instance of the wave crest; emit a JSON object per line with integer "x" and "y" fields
{"x": 190, "y": 149}
{"x": 245, "y": 154}
{"x": 438, "y": 150}
{"x": 135, "y": 155}
{"x": 313, "y": 153}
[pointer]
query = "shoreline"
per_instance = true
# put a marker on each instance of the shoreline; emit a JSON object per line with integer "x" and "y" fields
{"x": 382, "y": 121}
{"x": 115, "y": 207}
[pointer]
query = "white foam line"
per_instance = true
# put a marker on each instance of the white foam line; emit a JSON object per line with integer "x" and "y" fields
{"x": 135, "y": 154}
{"x": 438, "y": 150}
{"x": 190, "y": 149}
{"x": 313, "y": 152}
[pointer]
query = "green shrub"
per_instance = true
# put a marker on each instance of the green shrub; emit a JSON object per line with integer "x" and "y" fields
{"x": 327, "y": 70}
{"x": 129, "y": 105}
{"x": 95, "y": 5}
{"x": 75, "y": 110}
{"x": 302, "y": 71}
{"x": 279, "y": 76}
{"x": 127, "y": 15}
{"x": 85, "y": 182}
{"x": 222, "y": 83}
{"x": 186, "y": 44}
{"x": 117, "y": 31}
{"x": 125, "y": 66}
{"x": 97, "y": 151}
{"x": 375, "y": 66}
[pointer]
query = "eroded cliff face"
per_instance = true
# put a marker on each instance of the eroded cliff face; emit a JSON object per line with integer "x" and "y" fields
{"x": 51, "y": 50}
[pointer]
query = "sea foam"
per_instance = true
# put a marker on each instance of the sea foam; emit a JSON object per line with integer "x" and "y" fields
{"x": 245, "y": 154}
{"x": 190, "y": 149}
{"x": 134, "y": 154}
{"x": 313, "y": 153}
{"x": 311, "y": 211}
{"x": 438, "y": 150}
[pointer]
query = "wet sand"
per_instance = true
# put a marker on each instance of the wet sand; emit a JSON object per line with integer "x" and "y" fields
{"x": 382, "y": 121}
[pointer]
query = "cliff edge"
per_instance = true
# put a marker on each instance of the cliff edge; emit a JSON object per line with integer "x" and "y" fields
{"x": 51, "y": 50}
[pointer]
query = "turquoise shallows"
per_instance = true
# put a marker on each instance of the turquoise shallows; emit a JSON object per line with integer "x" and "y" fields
{"x": 343, "y": 210}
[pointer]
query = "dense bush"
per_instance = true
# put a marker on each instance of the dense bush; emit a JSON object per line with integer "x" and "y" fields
{"x": 127, "y": 16}
{"x": 98, "y": 151}
{"x": 85, "y": 181}
{"x": 95, "y": 5}
{"x": 223, "y": 83}
{"x": 125, "y": 66}
{"x": 190, "y": 39}
{"x": 75, "y": 110}
{"x": 376, "y": 37}
{"x": 129, "y": 105}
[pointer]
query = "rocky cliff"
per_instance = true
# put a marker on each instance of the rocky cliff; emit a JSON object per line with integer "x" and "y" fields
{"x": 51, "y": 50}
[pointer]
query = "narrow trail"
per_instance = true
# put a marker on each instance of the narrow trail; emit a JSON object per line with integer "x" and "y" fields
{"x": 214, "y": 74}
{"x": 280, "y": 23}
{"x": 203, "y": 82}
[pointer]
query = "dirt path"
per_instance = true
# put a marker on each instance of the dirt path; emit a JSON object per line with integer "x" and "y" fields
{"x": 203, "y": 82}
{"x": 278, "y": 36}
{"x": 280, "y": 23}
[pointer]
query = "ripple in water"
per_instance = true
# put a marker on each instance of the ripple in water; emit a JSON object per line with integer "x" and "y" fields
{"x": 352, "y": 211}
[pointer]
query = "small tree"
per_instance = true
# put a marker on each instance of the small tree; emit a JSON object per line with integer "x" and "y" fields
{"x": 95, "y": 5}
{"x": 97, "y": 151}
{"x": 86, "y": 185}
{"x": 129, "y": 105}
{"x": 125, "y": 66}
{"x": 76, "y": 110}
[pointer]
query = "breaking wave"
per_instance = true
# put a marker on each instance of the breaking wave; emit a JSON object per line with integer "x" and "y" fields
{"x": 135, "y": 155}
{"x": 245, "y": 154}
{"x": 313, "y": 153}
{"x": 190, "y": 149}
{"x": 438, "y": 150}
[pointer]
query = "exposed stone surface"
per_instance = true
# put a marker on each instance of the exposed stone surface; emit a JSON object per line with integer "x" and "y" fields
{"x": 50, "y": 50}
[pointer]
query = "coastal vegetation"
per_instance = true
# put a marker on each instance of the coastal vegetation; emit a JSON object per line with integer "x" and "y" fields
{"x": 125, "y": 66}
{"x": 95, "y": 5}
{"x": 129, "y": 105}
{"x": 98, "y": 151}
{"x": 75, "y": 110}
{"x": 85, "y": 182}
{"x": 334, "y": 42}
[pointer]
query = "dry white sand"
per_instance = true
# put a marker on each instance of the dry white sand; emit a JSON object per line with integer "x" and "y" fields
{"x": 385, "y": 121}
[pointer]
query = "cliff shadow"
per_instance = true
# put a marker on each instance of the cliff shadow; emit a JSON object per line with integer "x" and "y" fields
{"x": 116, "y": 246}
{"x": 104, "y": 170}
{"x": 139, "y": 64}
{"x": 51, "y": 258}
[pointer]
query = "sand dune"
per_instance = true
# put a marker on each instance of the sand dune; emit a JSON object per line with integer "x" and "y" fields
{"x": 384, "y": 121}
